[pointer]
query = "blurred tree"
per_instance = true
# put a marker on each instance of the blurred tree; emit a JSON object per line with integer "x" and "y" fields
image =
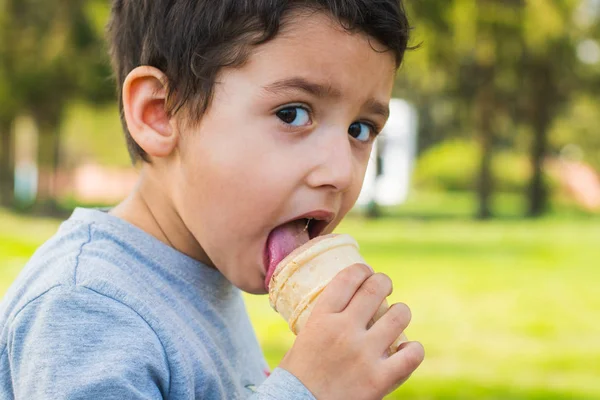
{"x": 55, "y": 54}
{"x": 549, "y": 79}
{"x": 577, "y": 125}
{"x": 493, "y": 67}
{"x": 6, "y": 162}
{"x": 469, "y": 49}
{"x": 489, "y": 64}
{"x": 576, "y": 132}
{"x": 9, "y": 107}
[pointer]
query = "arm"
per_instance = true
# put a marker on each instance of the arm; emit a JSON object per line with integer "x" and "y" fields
{"x": 282, "y": 385}
{"x": 73, "y": 343}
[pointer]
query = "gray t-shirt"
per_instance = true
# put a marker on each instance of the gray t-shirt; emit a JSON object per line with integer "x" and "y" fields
{"x": 105, "y": 311}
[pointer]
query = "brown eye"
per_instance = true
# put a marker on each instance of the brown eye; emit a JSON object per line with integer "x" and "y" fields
{"x": 295, "y": 116}
{"x": 360, "y": 131}
{"x": 287, "y": 115}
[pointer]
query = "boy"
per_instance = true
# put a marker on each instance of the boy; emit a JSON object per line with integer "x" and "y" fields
{"x": 248, "y": 117}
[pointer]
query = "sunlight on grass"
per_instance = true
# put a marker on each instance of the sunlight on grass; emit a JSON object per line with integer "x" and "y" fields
{"x": 506, "y": 309}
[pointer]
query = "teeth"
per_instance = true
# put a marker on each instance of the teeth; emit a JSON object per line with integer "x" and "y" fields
{"x": 308, "y": 220}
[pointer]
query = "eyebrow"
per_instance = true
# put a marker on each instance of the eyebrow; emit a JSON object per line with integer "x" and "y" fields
{"x": 378, "y": 108}
{"x": 301, "y": 84}
{"x": 321, "y": 91}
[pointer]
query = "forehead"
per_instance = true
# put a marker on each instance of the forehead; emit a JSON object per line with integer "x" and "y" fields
{"x": 316, "y": 48}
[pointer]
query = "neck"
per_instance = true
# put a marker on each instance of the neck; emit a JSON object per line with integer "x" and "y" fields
{"x": 150, "y": 208}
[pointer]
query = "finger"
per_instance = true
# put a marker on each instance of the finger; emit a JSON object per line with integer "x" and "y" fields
{"x": 368, "y": 298}
{"x": 390, "y": 326}
{"x": 338, "y": 293}
{"x": 403, "y": 380}
{"x": 402, "y": 364}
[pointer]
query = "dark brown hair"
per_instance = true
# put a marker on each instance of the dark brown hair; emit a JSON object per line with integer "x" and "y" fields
{"x": 191, "y": 40}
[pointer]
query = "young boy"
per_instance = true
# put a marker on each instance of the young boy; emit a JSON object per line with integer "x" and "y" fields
{"x": 247, "y": 116}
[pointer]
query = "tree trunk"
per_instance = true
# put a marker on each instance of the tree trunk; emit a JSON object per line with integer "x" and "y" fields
{"x": 7, "y": 170}
{"x": 484, "y": 118}
{"x": 48, "y": 161}
{"x": 541, "y": 112}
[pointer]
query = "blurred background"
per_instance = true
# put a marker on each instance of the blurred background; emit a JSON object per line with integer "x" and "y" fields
{"x": 482, "y": 201}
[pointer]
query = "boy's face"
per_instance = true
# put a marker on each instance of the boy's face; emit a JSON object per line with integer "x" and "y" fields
{"x": 286, "y": 137}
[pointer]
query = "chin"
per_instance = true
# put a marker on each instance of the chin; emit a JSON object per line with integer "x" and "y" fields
{"x": 254, "y": 285}
{"x": 255, "y": 290}
{"x": 252, "y": 288}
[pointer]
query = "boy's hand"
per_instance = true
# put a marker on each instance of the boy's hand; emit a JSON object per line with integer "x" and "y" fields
{"x": 336, "y": 357}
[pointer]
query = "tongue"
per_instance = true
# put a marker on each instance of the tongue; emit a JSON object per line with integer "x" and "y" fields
{"x": 282, "y": 241}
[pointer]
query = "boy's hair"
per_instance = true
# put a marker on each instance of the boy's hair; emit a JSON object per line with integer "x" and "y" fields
{"x": 191, "y": 40}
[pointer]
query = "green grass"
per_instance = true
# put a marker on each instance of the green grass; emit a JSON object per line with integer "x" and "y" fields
{"x": 506, "y": 309}
{"x": 19, "y": 238}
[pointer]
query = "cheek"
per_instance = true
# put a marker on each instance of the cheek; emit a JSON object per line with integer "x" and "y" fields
{"x": 350, "y": 197}
{"x": 362, "y": 162}
{"x": 235, "y": 181}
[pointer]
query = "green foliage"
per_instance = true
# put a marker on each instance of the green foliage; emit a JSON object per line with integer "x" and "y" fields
{"x": 498, "y": 69}
{"x": 53, "y": 58}
{"x": 54, "y": 49}
{"x": 453, "y": 165}
{"x": 94, "y": 134}
{"x": 579, "y": 125}
{"x": 512, "y": 171}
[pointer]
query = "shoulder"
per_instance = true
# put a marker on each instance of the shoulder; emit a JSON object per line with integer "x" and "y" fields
{"x": 84, "y": 270}
{"x": 73, "y": 312}
{"x": 77, "y": 246}
{"x": 77, "y": 337}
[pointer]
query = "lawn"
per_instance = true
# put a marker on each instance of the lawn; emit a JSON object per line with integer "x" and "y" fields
{"x": 506, "y": 309}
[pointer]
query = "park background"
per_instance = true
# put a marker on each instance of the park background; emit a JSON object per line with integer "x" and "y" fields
{"x": 497, "y": 248}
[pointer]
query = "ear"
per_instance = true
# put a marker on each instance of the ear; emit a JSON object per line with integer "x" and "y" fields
{"x": 144, "y": 96}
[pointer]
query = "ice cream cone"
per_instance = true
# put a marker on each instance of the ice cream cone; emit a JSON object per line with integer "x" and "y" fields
{"x": 300, "y": 278}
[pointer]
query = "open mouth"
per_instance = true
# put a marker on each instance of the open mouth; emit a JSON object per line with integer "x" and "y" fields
{"x": 288, "y": 237}
{"x": 314, "y": 227}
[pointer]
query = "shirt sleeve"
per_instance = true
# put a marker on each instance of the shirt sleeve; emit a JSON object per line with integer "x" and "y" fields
{"x": 282, "y": 385}
{"x": 74, "y": 343}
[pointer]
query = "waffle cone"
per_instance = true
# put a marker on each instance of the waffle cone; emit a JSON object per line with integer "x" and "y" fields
{"x": 300, "y": 278}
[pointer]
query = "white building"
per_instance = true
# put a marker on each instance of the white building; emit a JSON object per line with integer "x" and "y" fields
{"x": 395, "y": 148}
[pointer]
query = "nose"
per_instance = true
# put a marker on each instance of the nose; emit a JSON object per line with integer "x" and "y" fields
{"x": 333, "y": 163}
